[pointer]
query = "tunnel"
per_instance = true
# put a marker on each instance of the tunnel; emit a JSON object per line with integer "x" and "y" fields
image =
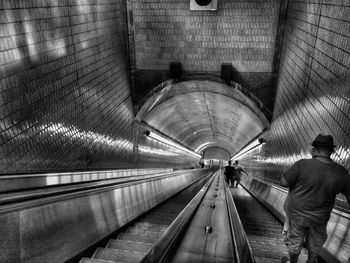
{"x": 109, "y": 109}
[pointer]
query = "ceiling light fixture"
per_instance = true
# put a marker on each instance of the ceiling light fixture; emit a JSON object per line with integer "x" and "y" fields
{"x": 248, "y": 148}
{"x": 167, "y": 141}
{"x": 202, "y": 145}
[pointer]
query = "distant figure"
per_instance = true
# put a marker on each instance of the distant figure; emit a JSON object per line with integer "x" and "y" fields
{"x": 313, "y": 186}
{"x": 229, "y": 173}
{"x": 238, "y": 173}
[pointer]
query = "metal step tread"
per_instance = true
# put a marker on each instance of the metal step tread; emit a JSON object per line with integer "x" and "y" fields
{"x": 264, "y": 231}
{"x": 140, "y": 231}
{"x": 157, "y": 220}
{"x": 129, "y": 245}
{"x": 118, "y": 255}
{"x": 150, "y": 226}
{"x": 165, "y": 212}
{"x": 96, "y": 260}
{"x": 266, "y": 240}
{"x": 137, "y": 238}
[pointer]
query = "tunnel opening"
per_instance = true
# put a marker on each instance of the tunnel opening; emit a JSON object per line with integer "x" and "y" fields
{"x": 204, "y": 114}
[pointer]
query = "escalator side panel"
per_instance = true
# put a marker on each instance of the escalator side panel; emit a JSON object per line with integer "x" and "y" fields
{"x": 55, "y": 229}
{"x": 337, "y": 246}
{"x": 262, "y": 228}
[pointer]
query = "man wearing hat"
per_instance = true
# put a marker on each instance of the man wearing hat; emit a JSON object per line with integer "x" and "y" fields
{"x": 313, "y": 186}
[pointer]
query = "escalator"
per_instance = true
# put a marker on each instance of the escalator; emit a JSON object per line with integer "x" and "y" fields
{"x": 263, "y": 230}
{"x": 133, "y": 244}
{"x": 193, "y": 226}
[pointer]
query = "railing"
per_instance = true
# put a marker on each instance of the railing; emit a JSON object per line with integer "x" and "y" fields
{"x": 243, "y": 250}
{"x": 65, "y": 224}
{"x": 16, "y": 182}
{"x": 336, "y": 248}
{"x": 10, "y": 200}
{"x": 160, "y": 249}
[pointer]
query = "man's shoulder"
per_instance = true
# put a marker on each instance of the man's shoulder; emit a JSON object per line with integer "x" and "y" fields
{"x": 304, "y": 162}
{"x": 341, "y": 169}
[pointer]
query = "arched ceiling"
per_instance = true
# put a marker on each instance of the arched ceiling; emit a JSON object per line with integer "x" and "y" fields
{"x": 203, "y": 114}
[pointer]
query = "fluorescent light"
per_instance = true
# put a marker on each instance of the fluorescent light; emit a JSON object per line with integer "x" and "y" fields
{"x": 202, "y": 145}
{"x": 176, "y": 145}
{"x": 248, "y": 148}
{"x": 155, "y": 151}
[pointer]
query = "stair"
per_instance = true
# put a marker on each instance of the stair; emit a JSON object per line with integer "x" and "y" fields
{"x": 128, "y": 245}
{"x": 132, "y": 245}
{"x": 263, "y": 230}
{"x": 118, "y": 255}
{"x": 94, "y": 260}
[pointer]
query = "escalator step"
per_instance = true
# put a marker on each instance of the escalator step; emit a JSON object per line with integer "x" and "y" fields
{"x": 118, "y": 255}
{"x": 266, "y": 240}
{"x": 137, "y": 238}
{"x": 96, "y": 260}
{"x": 169, "y": 211}
{"x": 157, "y": 220}
{"x": 140, "y": 231}
{"x": 166, "y": 212}
{"x": 162, "y": 216}
{"x": 128, "y": 245}
{"x": 150, "y": 226}
{"x": 275, "y": 255}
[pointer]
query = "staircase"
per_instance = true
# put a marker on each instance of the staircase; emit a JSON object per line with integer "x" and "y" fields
{"x": 263, "y": 230}
{"x": 133, "y": 244}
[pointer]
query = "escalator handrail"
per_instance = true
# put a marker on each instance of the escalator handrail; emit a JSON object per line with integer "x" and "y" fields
{"x": 244, "y": 253}
{"x": 46, "y": 191}
{"x": 160, "y": 249}
{"x": 336, "y": 210}
{"x": 43, "y": 199}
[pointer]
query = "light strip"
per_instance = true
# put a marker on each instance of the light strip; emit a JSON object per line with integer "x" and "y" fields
{"x": 202, "y": 145}
{"x": 164, "y": 140}
{"x": 247, "y": 149}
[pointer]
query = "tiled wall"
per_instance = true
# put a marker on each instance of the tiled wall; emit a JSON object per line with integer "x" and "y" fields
{"x": 313, "y": 89}
{"x": 239, "y": 32}
{"x": 64, "y": 100}
{"x": 64, "y": 88}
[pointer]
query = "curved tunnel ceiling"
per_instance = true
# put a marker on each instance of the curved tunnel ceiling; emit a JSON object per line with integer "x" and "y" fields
{"x": 202, "y": 114}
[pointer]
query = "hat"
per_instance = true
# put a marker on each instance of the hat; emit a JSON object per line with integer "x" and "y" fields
{"x": 323, "y": 141}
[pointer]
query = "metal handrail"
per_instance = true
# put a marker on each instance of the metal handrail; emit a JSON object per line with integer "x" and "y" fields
{"x": 244, "y": 253}
{"x": 44, "y": 191}
{"x": 161, "y": 248}
{"x": 285, "y": 191}
{"x": 37, "y": 198}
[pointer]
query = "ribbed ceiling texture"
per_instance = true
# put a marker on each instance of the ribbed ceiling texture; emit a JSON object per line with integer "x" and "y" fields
{"x": 204, "y": 114}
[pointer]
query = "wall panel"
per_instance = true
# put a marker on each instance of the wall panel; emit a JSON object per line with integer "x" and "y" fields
{"x": 65, "y": 100}
{"x": 313, "y": 93}
{"x": 64, "y": 87}
{"x": 239, "y": 32}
